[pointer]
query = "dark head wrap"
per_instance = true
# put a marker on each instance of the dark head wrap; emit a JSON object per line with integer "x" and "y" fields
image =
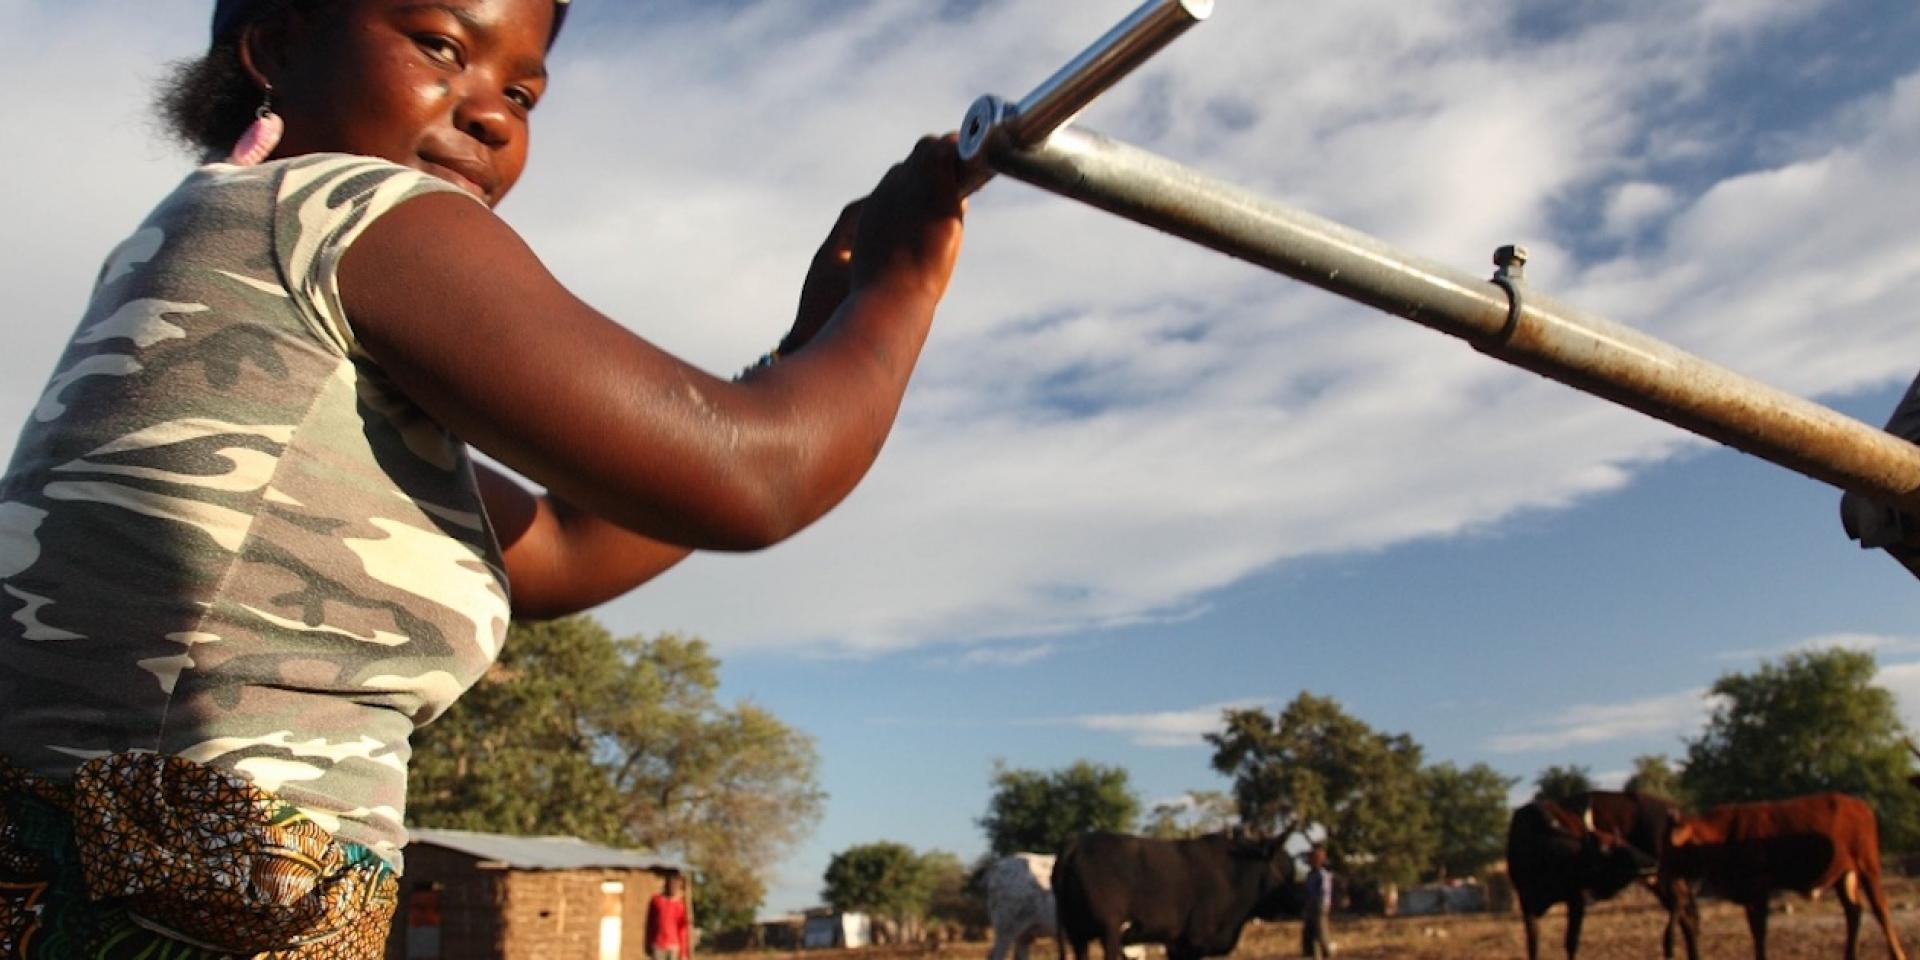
{"x": 230, "y": 15}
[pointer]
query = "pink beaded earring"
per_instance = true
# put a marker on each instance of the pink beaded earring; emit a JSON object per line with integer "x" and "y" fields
{"x": 257, "y": 143}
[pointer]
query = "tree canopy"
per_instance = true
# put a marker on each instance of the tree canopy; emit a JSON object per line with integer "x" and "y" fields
{"x": 1196, "y": 813}
{"x": 1040, "y": 812}
{"x": 1469, "y": 813}
{"x": 887, "y": 879}
{"x": 951, "y": 896}
{"x": 1314, "y": 768}
{"x": 1810, "y": 722}
{"x": 1653, "y": 774}
{"x": 1561, "y": 784}
{"x": 625, "y": 742}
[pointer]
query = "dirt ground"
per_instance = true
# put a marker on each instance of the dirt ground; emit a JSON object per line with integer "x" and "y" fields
{"x": 1626, "y": 927}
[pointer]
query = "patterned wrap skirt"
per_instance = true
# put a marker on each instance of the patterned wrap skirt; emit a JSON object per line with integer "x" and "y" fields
{"x": 143, "y": 857}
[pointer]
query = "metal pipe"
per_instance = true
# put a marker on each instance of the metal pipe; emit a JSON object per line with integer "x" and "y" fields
{"x": 1522, "y": 327}
{"x": 1131, "y": 43}
{"x": 1056, "y": 101}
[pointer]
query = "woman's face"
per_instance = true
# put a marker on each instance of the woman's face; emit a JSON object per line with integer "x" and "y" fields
{"x": 442, "y": 86}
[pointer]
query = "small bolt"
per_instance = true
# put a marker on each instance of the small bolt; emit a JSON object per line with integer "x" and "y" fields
{"x": 1511, "y": 259}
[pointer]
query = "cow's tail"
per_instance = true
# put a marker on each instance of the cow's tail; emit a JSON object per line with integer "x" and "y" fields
{"x": 1060, "y": 894}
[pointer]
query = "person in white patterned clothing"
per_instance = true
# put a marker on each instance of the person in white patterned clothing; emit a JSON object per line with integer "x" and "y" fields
{"x": 1317, "y": 910}
{"x": 243, "y": 550}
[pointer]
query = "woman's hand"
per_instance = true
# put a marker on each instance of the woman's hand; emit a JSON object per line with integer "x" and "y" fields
{"x": 829, "y": 279}
{"x": 916, "y": 219}
{"x": 910, "y": 227}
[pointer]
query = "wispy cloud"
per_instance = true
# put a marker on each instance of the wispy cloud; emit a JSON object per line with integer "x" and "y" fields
{"x": 1610, "y": 779}
{"x": 1150, "y": 423}
{"x": 1157, "y": 729}
{"x": 1168, "y": 728}
{"x": 1670, "y": 715}
{"x": 1685, "y": 713}
{"x": 1109, "y": 426}
{"x": 1903, "y": 680}
{"x": 1874, "y": 643}
{"x": 1007, "y": 656}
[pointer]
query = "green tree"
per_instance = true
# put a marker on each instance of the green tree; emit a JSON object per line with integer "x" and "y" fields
{"x": 622, "y": 741}
{"x": 1197, "y": 813}
{"x": 525, "y": 736}
{"x": 1469, "y": 810}
{"x": 1807, "y": 723}
{"x": 1652, "y": 773}
{"x": 1561, "y": 784}
{"x": 951, "y": 897}
{"x": 726, "y": 899}
{"x": 1314, "y": 768}
{"x": 1040, "y": 812}
{"x": 886, "y": 879}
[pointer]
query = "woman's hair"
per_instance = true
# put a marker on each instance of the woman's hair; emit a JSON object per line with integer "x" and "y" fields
{"x": 207, "y": 102}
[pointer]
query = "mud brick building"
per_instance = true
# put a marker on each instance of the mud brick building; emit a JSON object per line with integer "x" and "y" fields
{"x": 483, "y": 896}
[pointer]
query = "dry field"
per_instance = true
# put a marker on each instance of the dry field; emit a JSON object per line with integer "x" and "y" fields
{"x": 1627, "y": 927}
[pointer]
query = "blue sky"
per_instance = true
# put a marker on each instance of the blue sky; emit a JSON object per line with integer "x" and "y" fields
{"x": 1135, "y": 481}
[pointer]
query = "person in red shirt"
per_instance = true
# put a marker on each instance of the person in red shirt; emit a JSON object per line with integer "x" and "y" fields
{"x": 669, "y": 930}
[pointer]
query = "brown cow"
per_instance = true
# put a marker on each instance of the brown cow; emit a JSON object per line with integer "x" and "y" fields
{"x": 1746, "y": 851}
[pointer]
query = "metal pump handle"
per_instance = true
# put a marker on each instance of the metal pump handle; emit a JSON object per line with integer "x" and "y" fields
{"x": 1056, "y": 101}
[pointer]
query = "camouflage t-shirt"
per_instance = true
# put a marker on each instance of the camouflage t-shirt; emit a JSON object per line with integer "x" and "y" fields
{"x": 224, "y": 534}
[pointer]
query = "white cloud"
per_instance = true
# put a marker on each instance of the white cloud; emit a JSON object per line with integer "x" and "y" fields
{"x": 1109, "y": 425}
{"x": 1018, "y": 656}
{"x": 1684, "y": 714}
{"x": 1903, "y": 680}
{"x": 1167, "y": 728}
{"x": 1520, "y": 794}
{"x": 1874, "y": 643}
{"x": 1610, "y": 779}
{"x": 1669, "y": 715}
{"x": 1633, "y": 205}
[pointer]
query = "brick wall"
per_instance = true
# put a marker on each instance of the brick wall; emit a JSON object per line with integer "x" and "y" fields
{"x": 469, "y": 902}
{"x": 494, "y": 914}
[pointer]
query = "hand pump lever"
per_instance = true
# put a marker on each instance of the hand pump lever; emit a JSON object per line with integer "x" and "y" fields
{"x": 1054, "y": 103}
{"x": 1502, "y": 317}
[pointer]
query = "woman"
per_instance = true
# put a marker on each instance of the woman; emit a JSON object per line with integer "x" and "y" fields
{"x": 243, "y": 552}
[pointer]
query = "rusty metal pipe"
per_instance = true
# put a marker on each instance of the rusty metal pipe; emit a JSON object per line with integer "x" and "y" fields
{"x": 1552, "y": 339}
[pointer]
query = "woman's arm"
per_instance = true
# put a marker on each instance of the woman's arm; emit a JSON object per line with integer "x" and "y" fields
{"x": 561, "y": 559}
{"x": 469, "y": 323}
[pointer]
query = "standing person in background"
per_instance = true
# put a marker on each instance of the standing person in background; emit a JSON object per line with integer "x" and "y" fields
{"x": 1318, "y": 908}
{"x": 669, "y": 926}
{"x": 244, "y": 549}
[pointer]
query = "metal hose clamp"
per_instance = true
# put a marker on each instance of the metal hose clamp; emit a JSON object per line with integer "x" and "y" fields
{"x": 1511, "y": 277}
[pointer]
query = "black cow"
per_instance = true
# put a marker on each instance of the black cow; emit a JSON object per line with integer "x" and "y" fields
{"x": 1192, "y": 896}
{"x": 1640, "y": 819}
{"x": 1553, "y": 856}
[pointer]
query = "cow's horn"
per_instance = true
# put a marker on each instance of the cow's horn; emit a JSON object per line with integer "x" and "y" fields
{"x": 1587, "y": 818}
